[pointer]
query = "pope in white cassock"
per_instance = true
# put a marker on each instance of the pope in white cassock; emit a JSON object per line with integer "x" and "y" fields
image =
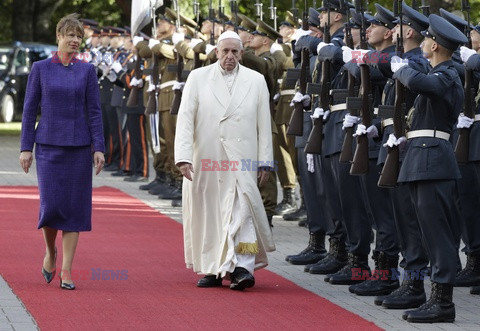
{"x": 223, "y": 147}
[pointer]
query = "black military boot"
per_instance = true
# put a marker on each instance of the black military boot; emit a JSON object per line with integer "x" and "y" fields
{"x": 439, "y": 308}
{"x": 314, "y": 252}
{"x": 299, "y": 215}
{"x": 352, "y": 273}
{"x": 381, "y": 282}
{"x": 475, "y": 290}
{"x": 470, "y": 275}
{"x": 175, "y": 193}
{"x": 162, "y": 185}
{"x": 288, "y": 204}
{"x": 159, "y": 178}
{"x": 375, "y": 259}
{"x": 411, "y": 294}
{"x": 336, "y": 259}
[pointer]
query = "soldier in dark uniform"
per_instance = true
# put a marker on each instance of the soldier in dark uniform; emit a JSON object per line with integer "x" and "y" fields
{"x": 136, "y": 140}
{"x": 429, "y": 168}
{"x": 118, "y": 94}
{"x": 379, "y": 36}
{"x": 411, "y": 293}
{"x": 325, "y": 218}
{"x": 110, "y": 127}
{"x": 469, "y": 184}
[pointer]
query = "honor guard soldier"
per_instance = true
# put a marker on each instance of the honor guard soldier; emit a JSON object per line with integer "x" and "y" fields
{"x": 269, "y": 61}
{"x": 411, "y": 293}
{"x": 284, "y": 150}
{"x": 468, "y": 185}
{"x": 163, "y": 49}
{"x": 88, "y": 27}
{"x": 429, "y": 168}
{"x": 379, "y": 35}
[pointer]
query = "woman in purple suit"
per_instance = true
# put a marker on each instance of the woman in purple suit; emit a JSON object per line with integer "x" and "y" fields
{"x": 68, "y": 136}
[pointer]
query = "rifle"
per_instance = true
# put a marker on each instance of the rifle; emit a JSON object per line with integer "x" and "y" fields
{"x": 295, "y": 126}
{"x": 346, "y": 155}
{"x": 259, "y": 10}
{"x": 151, "y": 107}
{"x": 273, "y": 14}
{"x": 294, "y": 11}
{"x": 177, "y": 97}
{"x": 211, "y": 13}
{"x": 314, "y": 143}
{"x": 425, "y": 8}
{"x": 234, "y": 10}
{"x": 196, "y": 12}
{"x": 133, "y": 96}
{"x": 220, "y": 13}
{"x": 391, "y": 168}
{"x": 463, "y": 143}
{"x": 305, "y": 17}
{"x": 360, "y": 158}
{"x": 414, "y": 5}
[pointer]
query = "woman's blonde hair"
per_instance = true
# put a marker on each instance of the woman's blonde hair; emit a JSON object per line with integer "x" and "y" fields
{"x": 70, "y": 23}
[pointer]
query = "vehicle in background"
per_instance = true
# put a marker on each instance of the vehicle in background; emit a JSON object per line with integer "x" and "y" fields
{"x": 16, "y": 61}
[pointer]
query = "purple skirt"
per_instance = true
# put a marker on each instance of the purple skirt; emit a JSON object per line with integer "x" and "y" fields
{"x": 65, "y": 184}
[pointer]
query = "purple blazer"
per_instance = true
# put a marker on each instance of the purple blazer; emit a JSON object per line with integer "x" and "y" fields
{"x": 69, "y": 100}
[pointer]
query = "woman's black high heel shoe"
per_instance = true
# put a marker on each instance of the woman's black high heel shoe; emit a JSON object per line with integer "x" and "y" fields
{"x": 50, "y": 275}
{"x": 66, "y": 286}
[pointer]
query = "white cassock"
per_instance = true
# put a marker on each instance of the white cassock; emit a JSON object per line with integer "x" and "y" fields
{"x": 223, "y": 129}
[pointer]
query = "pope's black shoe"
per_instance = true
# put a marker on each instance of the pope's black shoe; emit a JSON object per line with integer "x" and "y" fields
{"x": 439, "y": 308}
{"x": 241, "y": 279}
{"x": 210, "y": 281}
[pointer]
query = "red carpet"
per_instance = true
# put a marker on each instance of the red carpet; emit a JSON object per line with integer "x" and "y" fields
{"x": 159, "y": 293}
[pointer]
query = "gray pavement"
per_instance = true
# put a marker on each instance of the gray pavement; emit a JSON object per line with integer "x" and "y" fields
{"x": 289, "y": 238}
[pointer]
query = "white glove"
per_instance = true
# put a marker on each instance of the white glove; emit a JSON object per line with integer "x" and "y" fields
{"x": 300, "y": 33}
{"x": 178, "y": 86}
{"x": 349, "y": 121}
{"x": 209, "y": 48}
{"x": 393, "y": 141}
{"x": 397, "y": 63}
{"x": 152, "y": 42}
{"x": 276, "y": 48}
{"x": 177, "y": 37}
{"x": 111, "y": 76}
{"x": 136, "y": 82}
{"x": 464, "y": 122}
{"x": 310, "y": 164}
{"x": 347, "y": 54}
{"x": 322, "y": 45}
{"x": 465, "y": 53}
{"x": 194, "y": 42}
{"x": 117, "y": 67}
{"x": 371, "y": 132}
{"x": 151, "y": 86}
{"x": 317, "y": 113}
{"x": 299, "y": 97}
{"x": 136, "y": 40}
{"x": 276, "y": 97}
